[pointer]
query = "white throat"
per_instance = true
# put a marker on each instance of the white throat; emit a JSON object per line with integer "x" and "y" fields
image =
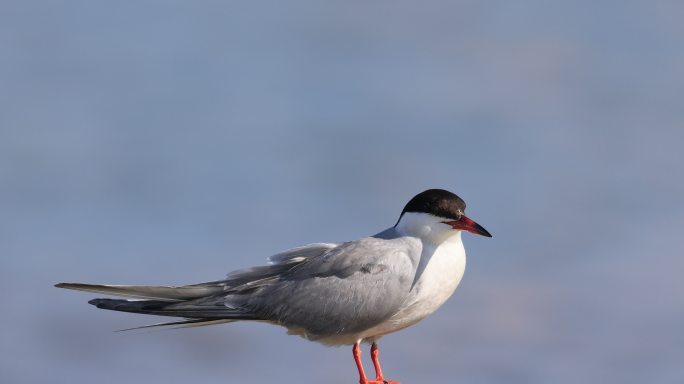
{"x": 427, "y": 227}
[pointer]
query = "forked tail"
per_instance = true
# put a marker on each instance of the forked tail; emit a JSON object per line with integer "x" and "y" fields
{"x": 201, "y": 304}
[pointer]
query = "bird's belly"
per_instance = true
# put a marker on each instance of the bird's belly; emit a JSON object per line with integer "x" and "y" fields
{"x": 438, "y": 282}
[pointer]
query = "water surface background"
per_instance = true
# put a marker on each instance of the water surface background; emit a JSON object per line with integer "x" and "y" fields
{"x": 169, "y": 142}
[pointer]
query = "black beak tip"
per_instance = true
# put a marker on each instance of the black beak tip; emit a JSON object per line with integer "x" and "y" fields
{"x": 483, "y": 232}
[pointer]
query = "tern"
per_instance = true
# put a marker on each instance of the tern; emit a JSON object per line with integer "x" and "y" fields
{"x": 331, "y": 293}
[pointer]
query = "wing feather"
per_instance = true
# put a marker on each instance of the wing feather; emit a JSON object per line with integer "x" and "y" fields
{"x": 345, "y": 289}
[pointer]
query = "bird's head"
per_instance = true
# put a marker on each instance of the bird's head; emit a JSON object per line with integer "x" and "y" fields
{"x": 437, "y": 214}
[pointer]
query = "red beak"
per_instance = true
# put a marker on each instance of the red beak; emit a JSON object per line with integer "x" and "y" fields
{"x": 466, "y": 224}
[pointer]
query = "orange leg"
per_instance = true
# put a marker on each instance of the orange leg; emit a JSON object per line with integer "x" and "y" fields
{"x": 356, "y": 351}
{"x": 379, "y": 378}
{"x": 376, "y": 363}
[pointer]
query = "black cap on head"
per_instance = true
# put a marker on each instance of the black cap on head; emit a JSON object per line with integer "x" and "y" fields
{"x": 437, "y": 202}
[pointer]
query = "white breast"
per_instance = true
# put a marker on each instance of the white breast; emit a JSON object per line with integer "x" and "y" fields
{"x": 440, "y": 277}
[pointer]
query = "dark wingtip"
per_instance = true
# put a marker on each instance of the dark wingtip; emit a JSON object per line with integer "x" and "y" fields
{"x": 100, "y": 303}
{"x": 70, "y": 285}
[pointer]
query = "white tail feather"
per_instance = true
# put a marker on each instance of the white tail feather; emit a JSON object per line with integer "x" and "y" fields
{"x": 180, "y": 324}
{"x": 187, "y": 292}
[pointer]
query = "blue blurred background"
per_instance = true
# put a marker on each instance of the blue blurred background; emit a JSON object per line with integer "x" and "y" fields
{"x": 169, "y": 142}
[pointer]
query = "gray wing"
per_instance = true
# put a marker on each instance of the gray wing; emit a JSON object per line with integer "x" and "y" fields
{"x": 302, "y": 253}
{"x": 248, "y": 279}
{"x": 344, "y": 289}
{"x": 205, "y": 302}
{"x": 323, "y": 289}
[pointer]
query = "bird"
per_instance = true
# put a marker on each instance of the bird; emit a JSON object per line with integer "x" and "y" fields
{"x": 332, "y": 293}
